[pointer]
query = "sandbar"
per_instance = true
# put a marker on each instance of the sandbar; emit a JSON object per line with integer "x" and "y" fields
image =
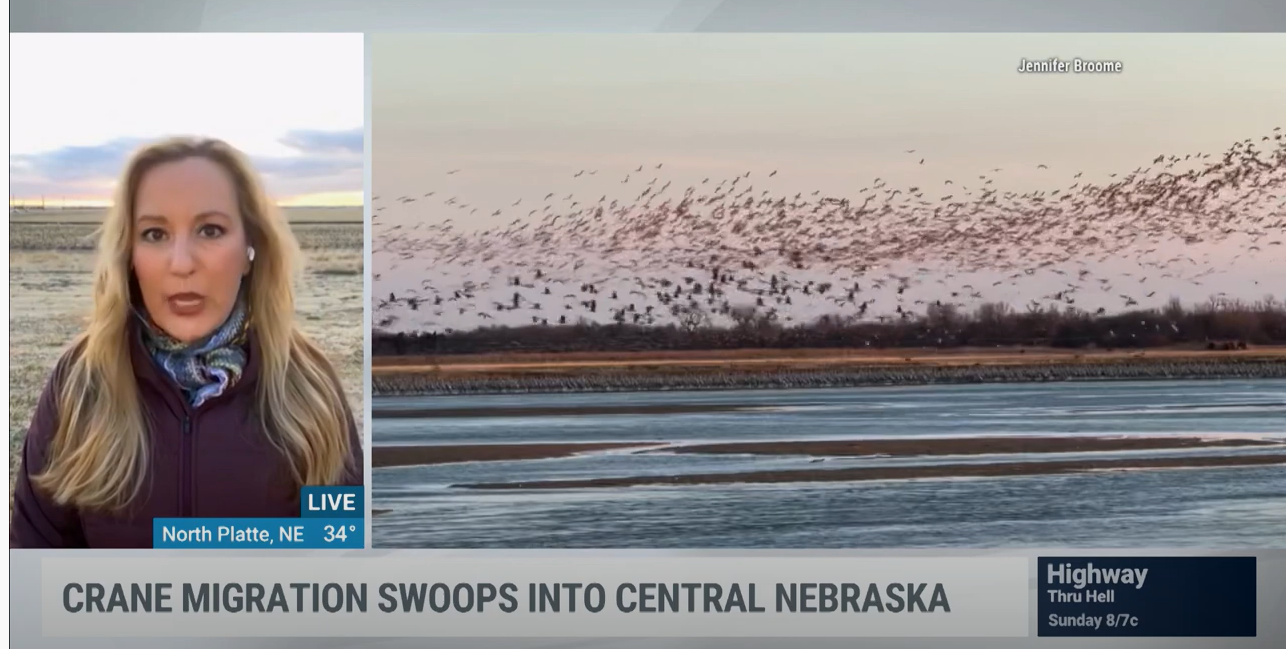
{"x": 561, "y": 411}
{"x": 969, "y": 445}
{"x": 1000, "y": 469}
{"x": 390, "y": 456}
{"x": 428, "y": 454}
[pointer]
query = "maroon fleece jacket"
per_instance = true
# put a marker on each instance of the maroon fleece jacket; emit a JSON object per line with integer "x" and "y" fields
{"x": 211, "y": 461}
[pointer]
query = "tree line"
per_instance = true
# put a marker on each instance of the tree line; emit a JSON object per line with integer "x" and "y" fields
{"x": 1216, "y": 324}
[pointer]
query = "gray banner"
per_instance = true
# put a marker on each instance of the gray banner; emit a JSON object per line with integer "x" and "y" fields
{"x": 28, "y": 617}
{"x": 647, "y": 15}
{"x": 490, "y": 593}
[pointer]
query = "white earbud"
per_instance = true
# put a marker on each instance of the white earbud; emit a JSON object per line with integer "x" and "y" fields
{"x": 250, "y": 252}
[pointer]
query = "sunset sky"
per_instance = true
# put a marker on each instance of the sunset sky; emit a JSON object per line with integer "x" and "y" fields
{"x": 517, "y": 112}
{"x": 516, "y": 117}
{"x": 81, "y": 103}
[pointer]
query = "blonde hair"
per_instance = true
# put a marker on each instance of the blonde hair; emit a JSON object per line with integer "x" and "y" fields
{"x": 99, "y": 453}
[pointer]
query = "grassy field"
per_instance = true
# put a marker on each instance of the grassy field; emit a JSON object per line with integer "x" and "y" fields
{"x": 49, "y": 294}
{"x": 94, "y": 215}
{"x": 327, "y": 228}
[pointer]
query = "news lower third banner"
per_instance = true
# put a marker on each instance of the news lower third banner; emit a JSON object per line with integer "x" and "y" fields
{"x": 472, "y": 595}
{"x": 329, "y": 518}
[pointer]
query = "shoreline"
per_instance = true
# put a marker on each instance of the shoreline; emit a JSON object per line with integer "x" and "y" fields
{"x": 866, "y": 474}
{"x": 428, "y": 454}
{"x": 886, "y": 355}
{"x": 796, "y": 374}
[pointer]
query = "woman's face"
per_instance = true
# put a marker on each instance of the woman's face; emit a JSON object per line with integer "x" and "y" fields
{"x": 189, "y": 249}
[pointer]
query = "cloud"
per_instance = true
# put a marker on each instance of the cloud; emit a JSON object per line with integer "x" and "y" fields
{"x": 325, "y": 161}
{"x": 303, "y": 168}
{"x": 74, "y": 170}
{"x": 320, "y": 155}
{"x": 326, "y": 142}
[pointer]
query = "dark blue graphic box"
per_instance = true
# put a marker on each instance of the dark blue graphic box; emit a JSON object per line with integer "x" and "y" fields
{"x": 1211, "y": 597}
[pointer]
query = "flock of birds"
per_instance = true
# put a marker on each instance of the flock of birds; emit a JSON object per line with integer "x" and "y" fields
{"x": 723, "y": 250}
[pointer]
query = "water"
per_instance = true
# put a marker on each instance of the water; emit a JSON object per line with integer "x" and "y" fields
{"x": 1216, "y": 507}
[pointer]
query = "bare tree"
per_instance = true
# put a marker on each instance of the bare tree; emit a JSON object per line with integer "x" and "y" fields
{"x": 691, "y": 316}
{"x": 743, "y": 317}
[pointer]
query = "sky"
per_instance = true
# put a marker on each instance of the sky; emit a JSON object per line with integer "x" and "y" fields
{"x": 517, "y": 111}
{"x": 519, "y": 115}
{"x": 81, "y": 103}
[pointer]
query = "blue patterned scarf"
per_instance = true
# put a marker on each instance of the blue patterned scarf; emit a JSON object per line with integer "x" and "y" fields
{"x": 206, "y": 368}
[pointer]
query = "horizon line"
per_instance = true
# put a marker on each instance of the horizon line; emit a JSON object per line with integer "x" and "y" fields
{"x": 17, "y": 204}
{"x": 293, "y": 206}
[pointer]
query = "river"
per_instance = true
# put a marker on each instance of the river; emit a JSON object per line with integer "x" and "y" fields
{"x": 1207, "y": 507}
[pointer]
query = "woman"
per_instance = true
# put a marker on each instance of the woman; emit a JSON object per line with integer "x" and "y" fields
{"x": 192, "y": 392}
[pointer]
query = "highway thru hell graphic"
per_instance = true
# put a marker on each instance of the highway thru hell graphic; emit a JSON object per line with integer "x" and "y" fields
{"x": 1209, "y": 597}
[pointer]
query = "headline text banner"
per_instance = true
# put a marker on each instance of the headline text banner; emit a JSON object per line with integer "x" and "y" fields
{"x": 534, "y": 597}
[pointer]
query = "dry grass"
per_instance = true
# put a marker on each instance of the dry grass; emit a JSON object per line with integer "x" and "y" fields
{"x": 773, "y": 360}
{"x": 49, "y": 294}
{"x": 81, "y": 236}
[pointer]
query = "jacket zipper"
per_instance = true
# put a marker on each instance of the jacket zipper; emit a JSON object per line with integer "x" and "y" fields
{"x": 186, "y": 471}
